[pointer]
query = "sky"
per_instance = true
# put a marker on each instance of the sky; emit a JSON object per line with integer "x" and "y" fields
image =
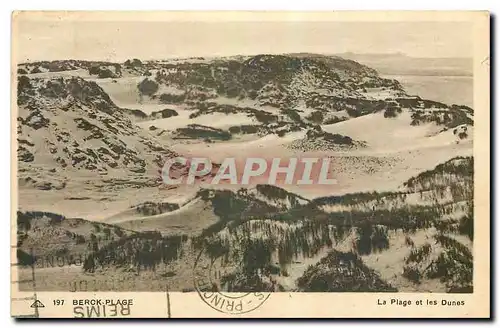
{"x": 112, "y": 40}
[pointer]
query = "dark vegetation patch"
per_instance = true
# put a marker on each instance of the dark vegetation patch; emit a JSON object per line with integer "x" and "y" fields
{"x": 277, "y": 193}
{"x": 244, "y": 129}
{"x": 133, "y": 63}
{"x": 461, "y": 168}
{"x": 197, "y": 131}
{"x": 168, "y": 98}
{"x": 147, "y": 87}
{"x": 450, "y": 118}
{"x": 334, "y": 120}
{"x": 371, "y": 238}
{"x": 317, "y": 139}
{"x": 165, "y": 113}
{"x": 352, "y": 199}
{"x": 452, "y": 265}
{"x": 141, "y": 250}
{"x": 330, "y": 137}
{"x": 355, "y": 107}
{"x": 229, "y": 206}
{"x": 104, "y": 72}
{"x": 316, "y": 117}
{"x": 152, "y": 208}
{"x": 50, "y": 239}
{"x": 136, "y": 113}
{"x": 212, "y": 107}
{"x": 342, "y": 272}
{"x": 392, "y": 110}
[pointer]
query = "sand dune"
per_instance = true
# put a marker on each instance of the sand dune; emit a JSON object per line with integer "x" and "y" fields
{"x": 175, "y": 222}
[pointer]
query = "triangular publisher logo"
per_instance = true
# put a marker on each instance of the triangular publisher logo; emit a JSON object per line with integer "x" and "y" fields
{"x": 37, "y": 304}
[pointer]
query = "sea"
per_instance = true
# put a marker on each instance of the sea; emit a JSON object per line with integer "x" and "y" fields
{"x": 446, "y": 89}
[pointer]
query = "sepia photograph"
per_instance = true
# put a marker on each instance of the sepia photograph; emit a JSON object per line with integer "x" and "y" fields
{"x": 234, "y": 159}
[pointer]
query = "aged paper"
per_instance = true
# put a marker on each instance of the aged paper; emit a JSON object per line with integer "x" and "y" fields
{"x": 250, "y": 164}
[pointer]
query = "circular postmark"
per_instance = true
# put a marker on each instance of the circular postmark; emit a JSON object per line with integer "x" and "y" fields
{"x": 208, "y": 283}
